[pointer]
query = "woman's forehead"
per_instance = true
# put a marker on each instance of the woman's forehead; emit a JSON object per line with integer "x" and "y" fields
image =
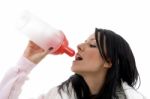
{"x": 91, "y": 37}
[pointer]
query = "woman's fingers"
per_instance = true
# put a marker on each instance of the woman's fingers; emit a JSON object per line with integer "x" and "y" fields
{"x": 50, "y": 49}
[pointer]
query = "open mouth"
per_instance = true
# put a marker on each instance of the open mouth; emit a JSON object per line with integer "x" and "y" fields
{"x": 78, "y": 57}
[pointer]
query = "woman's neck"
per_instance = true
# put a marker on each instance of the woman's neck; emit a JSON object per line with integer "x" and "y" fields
{"x": 95, "y": 82}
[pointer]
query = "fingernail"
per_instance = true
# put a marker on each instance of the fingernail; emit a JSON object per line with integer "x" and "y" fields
{"x": 50, "y": 48}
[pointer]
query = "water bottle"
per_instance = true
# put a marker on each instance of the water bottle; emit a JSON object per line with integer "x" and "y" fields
{"x": 44, "y": 35}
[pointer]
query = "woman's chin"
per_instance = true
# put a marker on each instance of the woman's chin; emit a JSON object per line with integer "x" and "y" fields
{"x": 74, "y": 69}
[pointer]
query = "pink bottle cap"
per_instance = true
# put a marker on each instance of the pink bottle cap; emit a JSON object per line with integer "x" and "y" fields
{"x": 65, "y": 49}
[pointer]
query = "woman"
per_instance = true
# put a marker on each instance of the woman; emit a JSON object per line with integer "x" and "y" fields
{"x": 104, "y": 68}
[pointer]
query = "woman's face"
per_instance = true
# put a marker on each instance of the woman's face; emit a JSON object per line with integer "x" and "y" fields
{"x": 88, "y": 58}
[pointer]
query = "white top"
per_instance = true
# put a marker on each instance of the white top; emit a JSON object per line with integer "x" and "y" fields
{"x": 10, "y": 86}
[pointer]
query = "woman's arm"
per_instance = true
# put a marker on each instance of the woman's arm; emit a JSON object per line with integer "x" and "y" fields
{"x": 10, "y": 86}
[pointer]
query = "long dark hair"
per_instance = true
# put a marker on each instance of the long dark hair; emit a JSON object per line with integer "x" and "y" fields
{"x": 113, "y": 48}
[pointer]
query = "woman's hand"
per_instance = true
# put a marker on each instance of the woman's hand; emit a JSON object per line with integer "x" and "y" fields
{"x": 34, "y": 53}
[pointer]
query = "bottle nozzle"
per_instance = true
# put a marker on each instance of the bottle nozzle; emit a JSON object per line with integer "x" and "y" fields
{"x": 69, "y": 51}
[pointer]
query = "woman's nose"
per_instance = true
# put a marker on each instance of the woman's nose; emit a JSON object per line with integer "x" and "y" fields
{"x": 80, "y": 47}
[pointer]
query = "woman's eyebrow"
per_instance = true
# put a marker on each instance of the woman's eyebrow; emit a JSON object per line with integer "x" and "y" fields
{"x": 92, "y": 39}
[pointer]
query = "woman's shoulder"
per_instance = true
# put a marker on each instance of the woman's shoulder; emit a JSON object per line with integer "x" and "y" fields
{"x": 51, "y": 94}
{"x": 55, "y": 93}
{"x": 131, "y": 93}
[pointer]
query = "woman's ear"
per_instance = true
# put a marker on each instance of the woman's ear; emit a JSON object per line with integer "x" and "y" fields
{"x": 107, "y": 64}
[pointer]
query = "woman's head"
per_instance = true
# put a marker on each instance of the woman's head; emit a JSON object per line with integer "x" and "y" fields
{"x": 106, "y": 51}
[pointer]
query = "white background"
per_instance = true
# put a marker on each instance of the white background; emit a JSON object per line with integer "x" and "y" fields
{"x": 77, "y": 19}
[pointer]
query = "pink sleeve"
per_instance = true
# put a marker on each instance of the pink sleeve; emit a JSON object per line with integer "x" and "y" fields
{"x": 10, "y": 86}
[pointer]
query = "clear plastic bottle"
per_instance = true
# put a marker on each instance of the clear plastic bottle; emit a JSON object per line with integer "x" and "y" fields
{"x": 44, "y": 35}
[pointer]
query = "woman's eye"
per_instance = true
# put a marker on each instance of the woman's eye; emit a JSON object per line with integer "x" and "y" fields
{"x": 92, "y": 45}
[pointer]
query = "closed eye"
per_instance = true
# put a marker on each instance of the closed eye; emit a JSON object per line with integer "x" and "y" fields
{"x": 92, "y": 45}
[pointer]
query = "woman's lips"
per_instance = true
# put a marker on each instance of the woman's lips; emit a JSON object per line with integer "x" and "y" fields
{"x": 78, "y": 57}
